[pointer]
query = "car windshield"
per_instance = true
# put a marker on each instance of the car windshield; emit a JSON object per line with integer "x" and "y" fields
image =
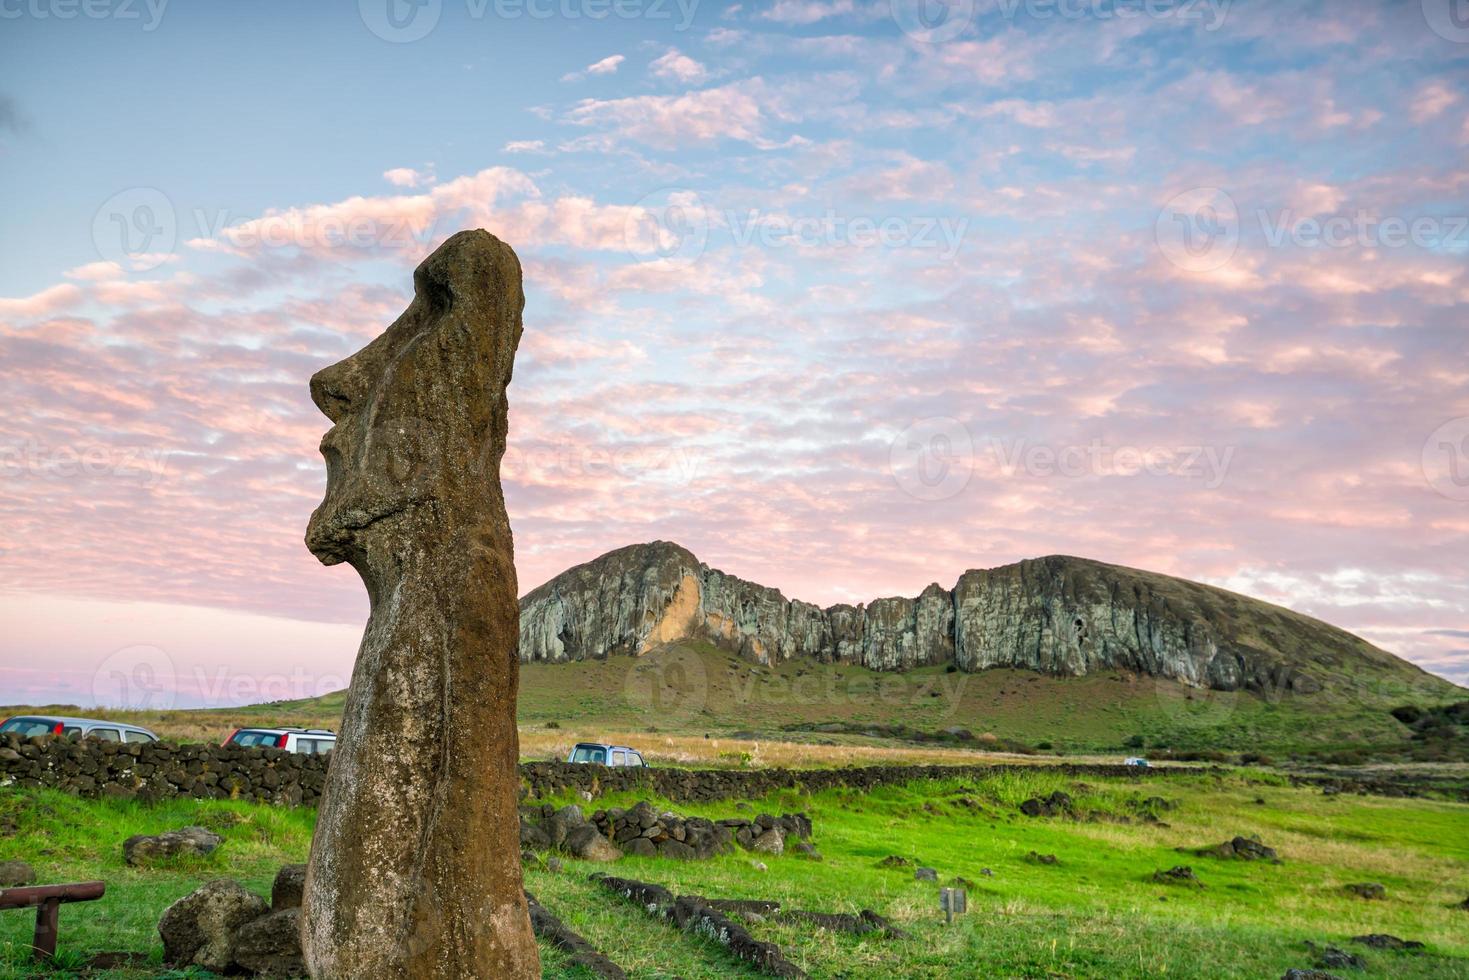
{"x": 590, "y": 753}
{"x": 248, "y": 738}
{"x": 26, "y": 727}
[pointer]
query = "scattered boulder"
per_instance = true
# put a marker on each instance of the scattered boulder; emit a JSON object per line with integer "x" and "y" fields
{"x": 290, "y": 881}
{"x": 770, "y": 842}
{"x": 198, "y": 929}
{"x": 587, "y": 843}
{"x": 16, "y": 874}
{"x": 144, "y": 848}
{"x": 1180, "y": 874}
{"x": 1058, "y": 804}
{"x": 1035, "y": 858}
{"x": 1308, "y": 975}
{"x": 894, "y": 861}
{"x": 1381, "y": 940}
{"x": 806, "y": 850}
{"x": 1331, "y": 958}
{"x": 271, "y": 944}
{"x": 1240, "y": 849}
{"x": 1371, "y": 890}
{"x": 925, "y": 874}
{"x": 759, "y": 866}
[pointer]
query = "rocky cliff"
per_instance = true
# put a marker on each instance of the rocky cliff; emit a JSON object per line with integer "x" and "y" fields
{"x": 1059, "y": 615}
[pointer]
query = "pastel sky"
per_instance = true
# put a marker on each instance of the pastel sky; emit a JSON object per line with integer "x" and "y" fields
{"x": 845, "y": 296}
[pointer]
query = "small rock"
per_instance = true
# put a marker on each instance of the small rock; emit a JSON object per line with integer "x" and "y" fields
{"x": 271, "y": 944}
{"x": 553, "y": 864}
{"x": 290, "y": 882}
{"x": 1242, "y": 849}
{"x": 806, "y": 850}
{"x": 1308, "y": 975}
{"x": 925, "y": 874}
{"x": 198, "y": 929}
{"x": 1370, "y": 890}
{"x": 1330, "y": 957}
{"x": 16, "y": 874}
{"x": 143, "y": 848}
{"x": 1381, "y": 940}
{"x": 893, "y": 861}
{"x": 1035, "y": 858}
{"x": 770, "y": 842}
{"x": 759, "y": 866}
{"x": 587, "y": 843}
{"x": 986, "y": 872}
{"x": 1180, "y": 874}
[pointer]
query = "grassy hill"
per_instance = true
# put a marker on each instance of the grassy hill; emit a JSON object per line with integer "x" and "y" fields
{"x": 1095, "y": 912}
{"x": 696, "y": 689}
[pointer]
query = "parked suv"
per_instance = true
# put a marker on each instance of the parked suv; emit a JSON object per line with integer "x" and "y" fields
{"x": 600, "y": 754}
{"x": 108, "y": 731}
{"x": 307, "y": 741}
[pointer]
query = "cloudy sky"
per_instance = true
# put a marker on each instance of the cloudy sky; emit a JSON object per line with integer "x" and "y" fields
{"x": 845, "y": 296}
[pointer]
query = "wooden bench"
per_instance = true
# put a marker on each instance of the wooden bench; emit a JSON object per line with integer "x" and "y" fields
{"x": 46, "y": 900}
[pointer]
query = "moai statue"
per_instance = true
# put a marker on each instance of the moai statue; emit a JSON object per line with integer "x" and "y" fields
{"x": 415, "y": 866}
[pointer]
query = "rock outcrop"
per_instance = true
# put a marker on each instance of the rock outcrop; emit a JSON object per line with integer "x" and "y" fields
{"x": 1058, "y": 615}
{"x": 415, "y": 865}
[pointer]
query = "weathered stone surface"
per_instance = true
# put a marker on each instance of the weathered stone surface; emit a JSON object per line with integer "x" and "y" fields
{"x": 415, "y": 868}
{"x": 1059, "y": 615}
{"x": 16, "y": 874}
{"x": 143, "y": 849}
{"x": 271, "y": 944}
{"x": 1241, "y": 849}
{"x": 290, "y": 883}
{"x": 1372, "y": 890}
{"x": 586, "y": 842}
{"x": 198, "y": 929}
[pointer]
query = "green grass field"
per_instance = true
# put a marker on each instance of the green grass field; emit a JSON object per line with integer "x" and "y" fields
{"x": 1095, "y": 913}
{"x": 697, "y": 689}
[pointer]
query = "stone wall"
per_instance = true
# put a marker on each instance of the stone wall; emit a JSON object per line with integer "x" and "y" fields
{"x": 161, "y": 770}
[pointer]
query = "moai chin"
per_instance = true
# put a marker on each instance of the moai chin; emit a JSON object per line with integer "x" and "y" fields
{"x": 415, "y": 865}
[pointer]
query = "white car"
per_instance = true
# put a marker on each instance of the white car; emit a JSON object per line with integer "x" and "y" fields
{"x": 307, "y": 741}
{"x": 1134, "y": 760}
{"x": 108, "y": 731}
